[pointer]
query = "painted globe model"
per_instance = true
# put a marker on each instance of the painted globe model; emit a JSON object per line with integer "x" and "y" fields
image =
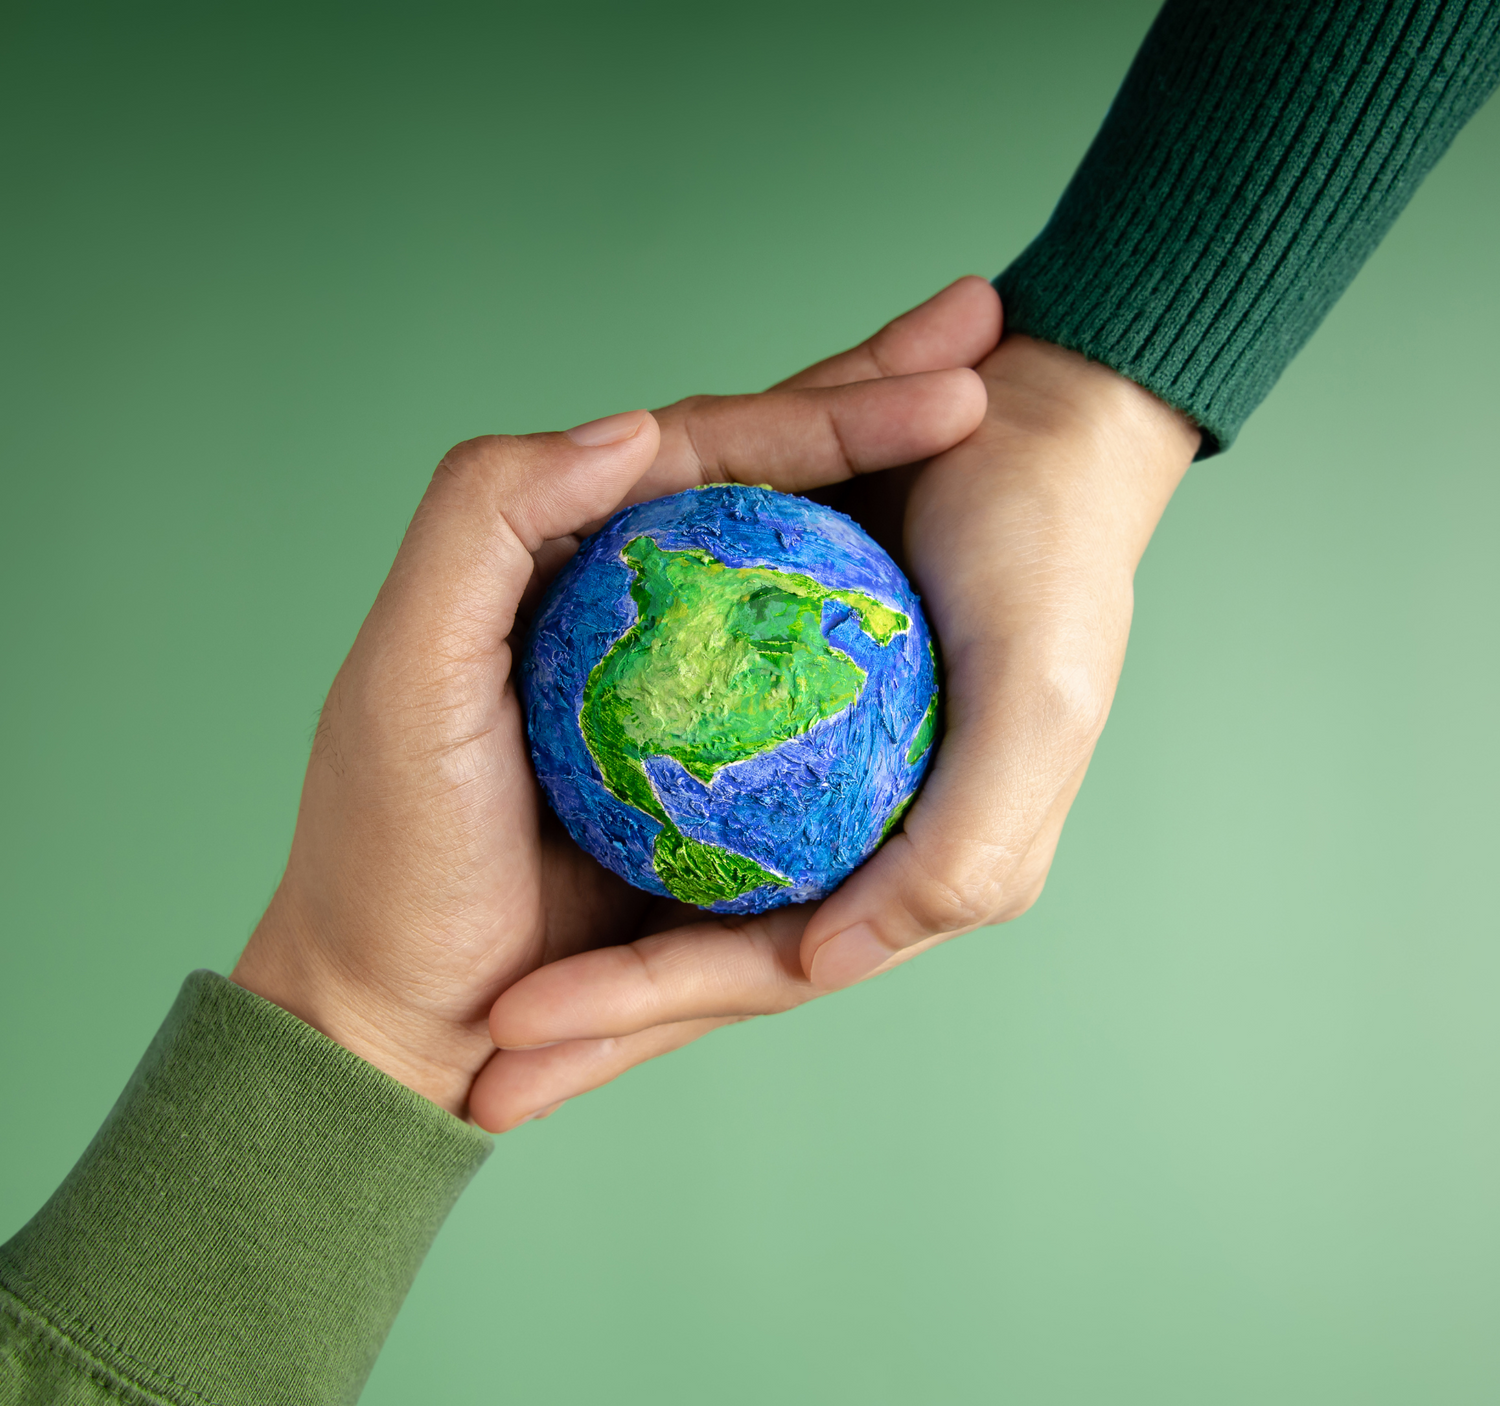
{"x": 731, "y": 696}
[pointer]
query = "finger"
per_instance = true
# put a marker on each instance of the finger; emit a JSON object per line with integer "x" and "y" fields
{"x": 705, "y": 969}
{"x": 1024, "y": 884}
{"x": 803, "y": 438}
{"x": 1017, "y": 745}
{"x": 518, "y": 1085}
{"x": 714, "y": 970}
{"x": 492, "y": 503}
{"x": 956, "y": 327}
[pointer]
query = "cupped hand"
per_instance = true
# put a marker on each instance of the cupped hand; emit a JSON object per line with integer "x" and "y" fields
{"x": 1023, "y": 542}
{"x": 426, "y": 874}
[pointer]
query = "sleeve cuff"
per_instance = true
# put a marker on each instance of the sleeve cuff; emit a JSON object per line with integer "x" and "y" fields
{"x": 1253, "y": 159}
{"x": 247, "y": 1222}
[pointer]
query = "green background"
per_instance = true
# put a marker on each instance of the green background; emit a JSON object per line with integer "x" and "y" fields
{"x": 1216, "y": 1122}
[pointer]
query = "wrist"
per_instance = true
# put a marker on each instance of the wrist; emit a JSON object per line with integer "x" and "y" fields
{"x": 1084, "y": 457}
{"x": 1050, "y": 503}
{"x": 286, "y": 964}
{"x": 1041, "y": 390}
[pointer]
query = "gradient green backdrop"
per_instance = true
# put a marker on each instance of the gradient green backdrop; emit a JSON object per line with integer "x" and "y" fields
{"x": 1215, "y": 1123}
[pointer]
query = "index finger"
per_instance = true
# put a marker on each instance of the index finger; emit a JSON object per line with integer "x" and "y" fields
{"x": 958, "y": 326}
{"x": 799, "y": 438}
{"x": 899, "y": 397}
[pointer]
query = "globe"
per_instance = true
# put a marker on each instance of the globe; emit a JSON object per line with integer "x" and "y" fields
{"x": 731, "y": 697}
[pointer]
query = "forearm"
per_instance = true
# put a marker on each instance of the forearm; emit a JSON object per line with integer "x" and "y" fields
{"x": 1255, "y": 156}
{"x": 242, "y": 1229}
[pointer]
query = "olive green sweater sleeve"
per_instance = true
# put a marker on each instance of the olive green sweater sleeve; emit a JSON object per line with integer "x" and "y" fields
{"x": 242, "y": 1229}
{"x": 1256, "y": 154}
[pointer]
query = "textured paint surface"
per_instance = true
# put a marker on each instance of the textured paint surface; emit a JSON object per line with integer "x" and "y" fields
{"x": 723, "y": 663}
{"x": 731, "y": 696}
{"x": 928, "y": 730}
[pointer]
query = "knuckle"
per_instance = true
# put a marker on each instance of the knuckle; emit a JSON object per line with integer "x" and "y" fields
{"x": 487, "y": 472}
{"x": 691, "y": 404}
{"x": 880, "y": 349}
{"x": 694, "y": 416}
{"x": 940, "y": 904}
{"x": 464, "y": 460}
{"x": 979, "y": 886}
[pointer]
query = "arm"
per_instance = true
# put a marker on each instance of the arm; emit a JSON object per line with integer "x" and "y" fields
{"x": 244, "y": 1227}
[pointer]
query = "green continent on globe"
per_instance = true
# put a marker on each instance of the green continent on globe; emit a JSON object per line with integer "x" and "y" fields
{"x": 926, "y": 731}
{"x": 722, "y": 664}
{"x": 920, "y": 742}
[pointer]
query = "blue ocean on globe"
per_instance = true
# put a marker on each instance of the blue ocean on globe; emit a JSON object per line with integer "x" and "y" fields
{"x": 731, "y": 697}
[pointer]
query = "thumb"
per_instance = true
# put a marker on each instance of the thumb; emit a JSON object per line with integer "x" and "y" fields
{"x": 492, "y": 502}
{"x": 1023, "y": 717}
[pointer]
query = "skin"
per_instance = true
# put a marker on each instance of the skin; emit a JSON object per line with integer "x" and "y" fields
{"x": 429, "y": 887}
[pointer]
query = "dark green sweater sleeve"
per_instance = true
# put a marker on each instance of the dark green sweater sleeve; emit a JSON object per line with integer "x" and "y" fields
{"x": 1256, "y": 154}
{"x": 242, "y": 1229}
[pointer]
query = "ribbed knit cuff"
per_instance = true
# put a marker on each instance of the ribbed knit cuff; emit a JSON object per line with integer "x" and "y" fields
{"x": 248, "y": 1220}
{"x": 1255, "y": 156}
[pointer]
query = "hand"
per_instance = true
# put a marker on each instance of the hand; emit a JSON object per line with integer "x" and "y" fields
{"x": 426, "y": 874}
{"x": 1023, "y": 542}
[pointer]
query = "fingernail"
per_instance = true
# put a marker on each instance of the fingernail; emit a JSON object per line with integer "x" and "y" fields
{"x": 541, "y": 1113}
{"x": 544, "y": 1045}
{"x": 610, "y": 430}
{"x": 848, "y": 956}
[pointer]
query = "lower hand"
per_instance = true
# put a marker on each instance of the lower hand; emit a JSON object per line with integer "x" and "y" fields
{"x": 1023, "y": 541}
{"x": 426, "y": 874}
